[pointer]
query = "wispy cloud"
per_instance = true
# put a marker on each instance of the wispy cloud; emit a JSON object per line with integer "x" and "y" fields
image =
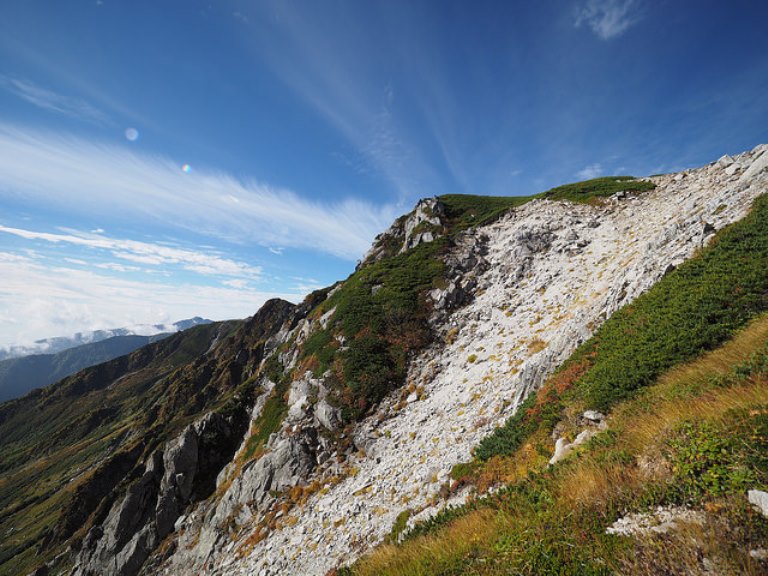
{"x": 331, "y": 72}
{"x": 144, "y": 253}
{"x": 608, "y": 18}
{"x": 589, "y": 172}
{"x": 116, "y": 267}
{"x": 39, "y": 302}
{"x": 53, "y": 101}
{"x": 100, "y": 181}
{"x": 236, "y": 283}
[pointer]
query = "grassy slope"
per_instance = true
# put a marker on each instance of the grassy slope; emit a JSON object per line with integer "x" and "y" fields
{"x": 680, "y": 441}
{"x": 696, "y": 435}
{"x": 52, "y": 440}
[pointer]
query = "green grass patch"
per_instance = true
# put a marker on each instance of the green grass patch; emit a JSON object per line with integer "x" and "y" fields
{"x": 598, "y": 188}
{"x": 268, "y": 422}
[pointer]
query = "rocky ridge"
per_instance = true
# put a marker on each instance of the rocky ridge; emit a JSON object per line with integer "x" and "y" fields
{"x": 535, "y": 284}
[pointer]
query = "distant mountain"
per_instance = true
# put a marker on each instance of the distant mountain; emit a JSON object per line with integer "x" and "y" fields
{"x": 21, "y": 374}
{"x": 61, "y": 343}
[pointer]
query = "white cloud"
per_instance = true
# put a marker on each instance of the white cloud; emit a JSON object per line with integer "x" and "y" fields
{"x": 102, "y": 181}
{"x": 145, "y": 253}
{"x": 39, "y": 302}
{"x": 77, "y": 261}
{"x": 608, "y": 18}
{"x": 116, "y": 267}
{"x": 589, "y": 172}
{"x": 53, "y": 101}
{"x": 236, "y": 283}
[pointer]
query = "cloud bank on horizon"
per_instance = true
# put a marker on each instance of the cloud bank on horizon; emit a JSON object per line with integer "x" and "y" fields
{"x": 103, "y": 181}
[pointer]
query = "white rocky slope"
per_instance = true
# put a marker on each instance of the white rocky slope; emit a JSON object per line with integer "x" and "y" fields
{"x": 543, "y": 278}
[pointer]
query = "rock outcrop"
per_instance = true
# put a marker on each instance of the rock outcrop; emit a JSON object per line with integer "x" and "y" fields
{"x": 184, "y": 472}
{"x": 423, "y": 224}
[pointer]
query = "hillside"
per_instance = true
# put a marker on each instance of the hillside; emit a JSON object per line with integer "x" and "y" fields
{"x": 517, "y": 296}
{"x": 299, "y": 440}
{"x": 20, "y": 375}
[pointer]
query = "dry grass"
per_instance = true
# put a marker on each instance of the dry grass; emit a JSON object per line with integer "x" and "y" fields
{"x": 642, "y": 424}
{"x": 470, "y": 534}
{"x": 692, "y": 549}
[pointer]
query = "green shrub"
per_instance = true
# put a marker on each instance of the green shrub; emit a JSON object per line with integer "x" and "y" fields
{"x": 711, "y": 460}
{"x": 691, "y": 310}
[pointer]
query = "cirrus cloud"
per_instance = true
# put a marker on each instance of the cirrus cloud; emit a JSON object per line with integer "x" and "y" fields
{"x": 100, "y": 180}
{"x": 608, "y": 18}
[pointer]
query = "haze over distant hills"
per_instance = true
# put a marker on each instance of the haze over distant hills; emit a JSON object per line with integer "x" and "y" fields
{"x": 23, "y": 368}
{"x": 61, "y": 343}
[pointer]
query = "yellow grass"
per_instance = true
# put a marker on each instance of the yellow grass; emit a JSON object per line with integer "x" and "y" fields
{"x": 431, "y": 554}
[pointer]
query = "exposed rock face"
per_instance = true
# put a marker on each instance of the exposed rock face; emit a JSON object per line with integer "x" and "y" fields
{"x": 521, "y": 294}
{"x": 660, "y": 521}
{"x": 151, "y": 506}
{"x": 423, "y": 224}
{"x": 759, "y": 500}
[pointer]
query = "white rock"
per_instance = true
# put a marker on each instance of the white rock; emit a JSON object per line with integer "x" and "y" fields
{"x": 759, "y": 500}
{"x": 725, "y": 161}
{"x": 522, "y": 253}
{"x": 732, "y": 169}
{"x": 660, "y": 521}
{"x": 593, "y": 415}
{"x": 758, "y": 165}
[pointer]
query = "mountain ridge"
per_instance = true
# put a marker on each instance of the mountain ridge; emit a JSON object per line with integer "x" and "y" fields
{"x": 351, "y": 409}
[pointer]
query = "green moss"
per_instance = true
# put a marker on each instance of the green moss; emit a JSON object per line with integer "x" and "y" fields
{"x": 268, "y": 422}
{"x": 399, "y": 526}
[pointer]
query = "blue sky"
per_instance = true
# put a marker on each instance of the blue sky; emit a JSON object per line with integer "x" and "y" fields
{"x": 164, "y": 159}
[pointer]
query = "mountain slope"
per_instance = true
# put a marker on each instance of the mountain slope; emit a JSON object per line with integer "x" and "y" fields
{"x": 660, "y": 487}
{"x": 69, "y": 450}
{"x": 298, "y": 441}
{"x": 543, "y": 278}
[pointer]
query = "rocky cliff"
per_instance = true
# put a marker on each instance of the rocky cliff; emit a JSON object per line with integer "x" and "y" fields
{"x": 358, "y": 403}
